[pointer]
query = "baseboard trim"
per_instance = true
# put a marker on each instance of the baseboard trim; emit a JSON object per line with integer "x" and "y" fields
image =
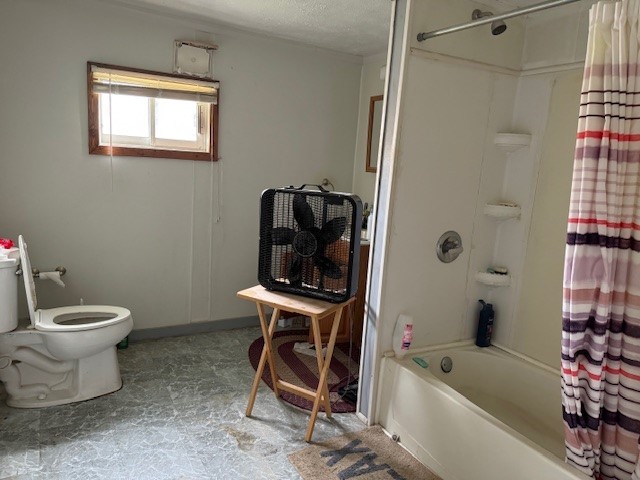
{"x": 193, "y": 328}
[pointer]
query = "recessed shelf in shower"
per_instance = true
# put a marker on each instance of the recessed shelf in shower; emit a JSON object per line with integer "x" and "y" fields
{"x": 493, "y": 279}
{"x": 510, "y": 142}
{"x": 502, "y": 211}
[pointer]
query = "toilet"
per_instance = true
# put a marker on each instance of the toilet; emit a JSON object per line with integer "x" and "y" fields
{"x": 60, "y": 355}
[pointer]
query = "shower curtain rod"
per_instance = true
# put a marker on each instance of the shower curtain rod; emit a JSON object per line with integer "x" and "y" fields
{"x": 493, "y": 18}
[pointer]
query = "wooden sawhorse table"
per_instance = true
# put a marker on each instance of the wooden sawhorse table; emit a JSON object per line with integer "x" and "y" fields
{"x": 316, "y": 309}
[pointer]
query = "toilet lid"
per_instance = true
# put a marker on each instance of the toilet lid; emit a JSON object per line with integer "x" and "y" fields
{"x": 29, "y": 284}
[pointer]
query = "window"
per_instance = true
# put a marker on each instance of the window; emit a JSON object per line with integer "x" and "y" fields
{"x": 149, "y": 114}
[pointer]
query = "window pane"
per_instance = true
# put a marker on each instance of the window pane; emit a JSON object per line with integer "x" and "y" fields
{"x": 176, "y": 119}
{"x": 129, "y": 115}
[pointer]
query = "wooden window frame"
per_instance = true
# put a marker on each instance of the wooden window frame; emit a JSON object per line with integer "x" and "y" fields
{"x": 94, "y": 125}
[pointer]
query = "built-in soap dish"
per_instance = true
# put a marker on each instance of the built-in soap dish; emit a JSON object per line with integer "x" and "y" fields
{"x": 510, "y": 142}
{"x": 493, "y": 279}
{"x": 502, "y": 210}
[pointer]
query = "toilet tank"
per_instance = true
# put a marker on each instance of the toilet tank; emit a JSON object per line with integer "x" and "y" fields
{"x": 8, "y": 293}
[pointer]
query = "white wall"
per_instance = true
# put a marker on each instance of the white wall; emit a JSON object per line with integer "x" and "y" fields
{"x": 477, "y": 44}
{"x": 557, "y": 36}
{"x": 439, "y": 182}
{"x": 144, "y": 237}
{"x": 533, "y": 248}
{"x": 538, "y": 321}
{"x": 445, "y": 167}
{"x": 364, "y": 183}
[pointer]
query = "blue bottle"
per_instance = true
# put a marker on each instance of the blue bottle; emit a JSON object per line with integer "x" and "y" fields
{"x": 485, "y": 325}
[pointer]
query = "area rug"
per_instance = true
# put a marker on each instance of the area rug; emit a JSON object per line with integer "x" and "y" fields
{"x": 302, "y": 370}
{"x": 367, "y": 455}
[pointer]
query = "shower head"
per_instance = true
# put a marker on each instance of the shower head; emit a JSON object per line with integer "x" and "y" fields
{"x": 497, "y": 27}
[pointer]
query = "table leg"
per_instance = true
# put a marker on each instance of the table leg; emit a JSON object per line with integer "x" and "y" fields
{"x": 315, "y": 325}
{"x": 267, "y": 333}
{"x": 322, "y": 381}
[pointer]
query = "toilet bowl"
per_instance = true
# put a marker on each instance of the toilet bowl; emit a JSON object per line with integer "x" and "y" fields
{"x": 60, "y": 355}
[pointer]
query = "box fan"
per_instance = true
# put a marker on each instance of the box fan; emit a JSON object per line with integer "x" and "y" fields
{"x": 310, "y": 242}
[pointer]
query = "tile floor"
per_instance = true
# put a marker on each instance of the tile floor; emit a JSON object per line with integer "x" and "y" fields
{"x": 179, "y": 415}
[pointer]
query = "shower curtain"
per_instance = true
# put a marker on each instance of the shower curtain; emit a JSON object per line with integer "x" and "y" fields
{"x": 601, "y": 309}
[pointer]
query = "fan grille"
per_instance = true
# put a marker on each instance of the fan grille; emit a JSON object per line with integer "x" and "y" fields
{"x": 309, "y": 250}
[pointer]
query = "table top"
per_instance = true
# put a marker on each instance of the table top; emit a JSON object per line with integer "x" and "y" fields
{"x": 290, "y": 302}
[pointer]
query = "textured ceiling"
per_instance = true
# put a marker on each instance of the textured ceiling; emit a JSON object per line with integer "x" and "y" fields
{"x": 359, "y": 27}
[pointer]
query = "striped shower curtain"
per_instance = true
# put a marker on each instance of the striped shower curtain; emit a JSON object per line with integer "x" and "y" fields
{"x": 601, "y": 310}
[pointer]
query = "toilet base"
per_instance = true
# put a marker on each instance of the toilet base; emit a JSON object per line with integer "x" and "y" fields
{"x": 87, "y": 378}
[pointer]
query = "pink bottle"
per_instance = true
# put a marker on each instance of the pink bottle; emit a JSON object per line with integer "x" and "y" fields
{"x": 402, "y": 335}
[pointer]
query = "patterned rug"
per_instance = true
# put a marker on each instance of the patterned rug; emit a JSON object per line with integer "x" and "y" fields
{"x": 366, "y": 455}
{"x": 302, "y": 370}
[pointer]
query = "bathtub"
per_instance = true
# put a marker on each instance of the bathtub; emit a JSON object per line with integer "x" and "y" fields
{"x": 495, "y": 416}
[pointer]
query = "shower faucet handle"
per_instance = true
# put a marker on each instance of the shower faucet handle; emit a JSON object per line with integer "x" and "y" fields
{"x": 454, "y": 251}
{"x": 449, "y": 246}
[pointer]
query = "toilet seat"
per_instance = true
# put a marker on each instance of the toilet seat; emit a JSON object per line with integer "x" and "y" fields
{"x": 79, "y": 317}
{"x": 55, "y": 319}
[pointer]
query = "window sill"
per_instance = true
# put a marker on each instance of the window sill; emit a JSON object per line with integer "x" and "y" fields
{"x": 150, "y": 153}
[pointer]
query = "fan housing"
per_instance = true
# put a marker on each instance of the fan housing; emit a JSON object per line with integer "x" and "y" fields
{"x": 310, "y": 242}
